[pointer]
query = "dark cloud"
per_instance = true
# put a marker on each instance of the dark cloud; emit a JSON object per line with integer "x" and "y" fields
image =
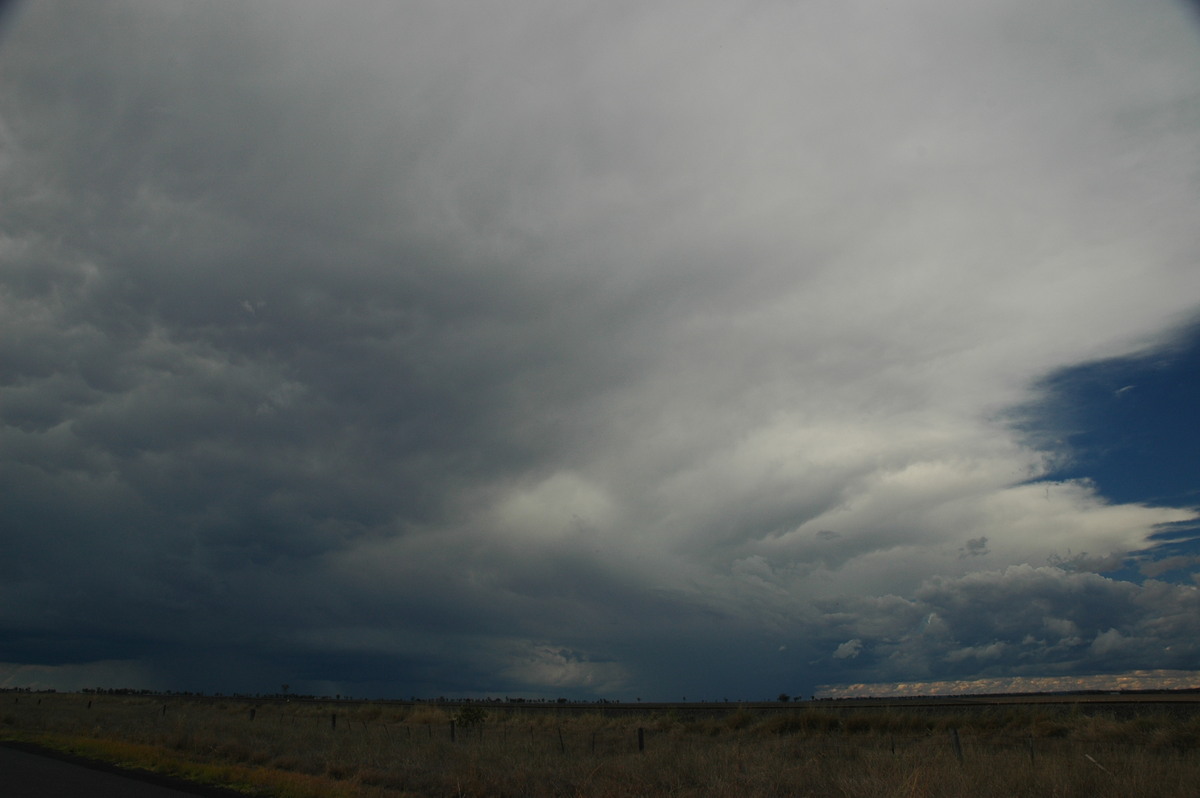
{"x": 1022, "y": 621}
{"x": 435, "y": 348}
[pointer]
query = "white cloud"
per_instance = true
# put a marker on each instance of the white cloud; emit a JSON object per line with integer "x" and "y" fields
{"x": 561, "y": 505}
{"x": 848, "y": 650}
{"x": 1108, "y": 642}
{"x": 1132, "y": 680}
{"x": 541, "y": 665}
{"x": 681, "y": 319}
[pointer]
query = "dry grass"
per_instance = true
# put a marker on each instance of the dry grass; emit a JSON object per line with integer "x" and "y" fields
{"x": 297, "y": 749}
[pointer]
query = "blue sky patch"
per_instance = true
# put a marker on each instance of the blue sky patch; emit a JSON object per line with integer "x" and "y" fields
{"x": 1131, "y": 425}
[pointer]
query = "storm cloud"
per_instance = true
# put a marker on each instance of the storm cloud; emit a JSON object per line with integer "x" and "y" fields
{"x": 602, "y": 349}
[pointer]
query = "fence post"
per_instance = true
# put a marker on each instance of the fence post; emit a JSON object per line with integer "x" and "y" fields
{"x": 1029, "y": 745}
{"x": 641, "y": 739}
{"x": 452, "y": 738}
{"x": 957, "y": 744}
{"x": 333, "y": 721}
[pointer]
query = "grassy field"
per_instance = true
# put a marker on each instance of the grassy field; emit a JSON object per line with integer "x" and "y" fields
{"x": 1016, "y": 747}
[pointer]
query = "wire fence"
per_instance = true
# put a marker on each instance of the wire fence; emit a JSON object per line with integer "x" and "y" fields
{"x": 575, "y": 733}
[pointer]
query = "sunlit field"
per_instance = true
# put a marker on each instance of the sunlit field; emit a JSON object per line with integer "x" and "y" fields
{"x": 1089, "y": 747}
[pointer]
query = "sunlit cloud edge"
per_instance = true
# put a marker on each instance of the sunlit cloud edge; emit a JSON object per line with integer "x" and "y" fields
{"x": 1131, "y": 680}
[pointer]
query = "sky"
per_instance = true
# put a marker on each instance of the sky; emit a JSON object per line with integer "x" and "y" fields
{"x": 661, "y": 351}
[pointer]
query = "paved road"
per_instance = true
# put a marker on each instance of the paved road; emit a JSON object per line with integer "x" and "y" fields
{"x": 28, "y": 773}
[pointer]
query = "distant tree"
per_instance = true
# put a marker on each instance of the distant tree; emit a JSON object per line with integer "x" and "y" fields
{"x": 285, "y": 688}
{"x": 784, "y": 698}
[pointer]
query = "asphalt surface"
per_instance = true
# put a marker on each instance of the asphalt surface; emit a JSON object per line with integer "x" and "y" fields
{"x": 30, "y": 772}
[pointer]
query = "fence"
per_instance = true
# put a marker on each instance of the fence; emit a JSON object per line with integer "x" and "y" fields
{"x": 400, "y": 745}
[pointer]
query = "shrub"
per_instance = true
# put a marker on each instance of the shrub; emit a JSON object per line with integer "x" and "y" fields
{"x": 470, "y": 716}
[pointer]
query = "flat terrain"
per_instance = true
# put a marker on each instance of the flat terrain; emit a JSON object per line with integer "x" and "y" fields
{"x": 1083, "y": 746}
